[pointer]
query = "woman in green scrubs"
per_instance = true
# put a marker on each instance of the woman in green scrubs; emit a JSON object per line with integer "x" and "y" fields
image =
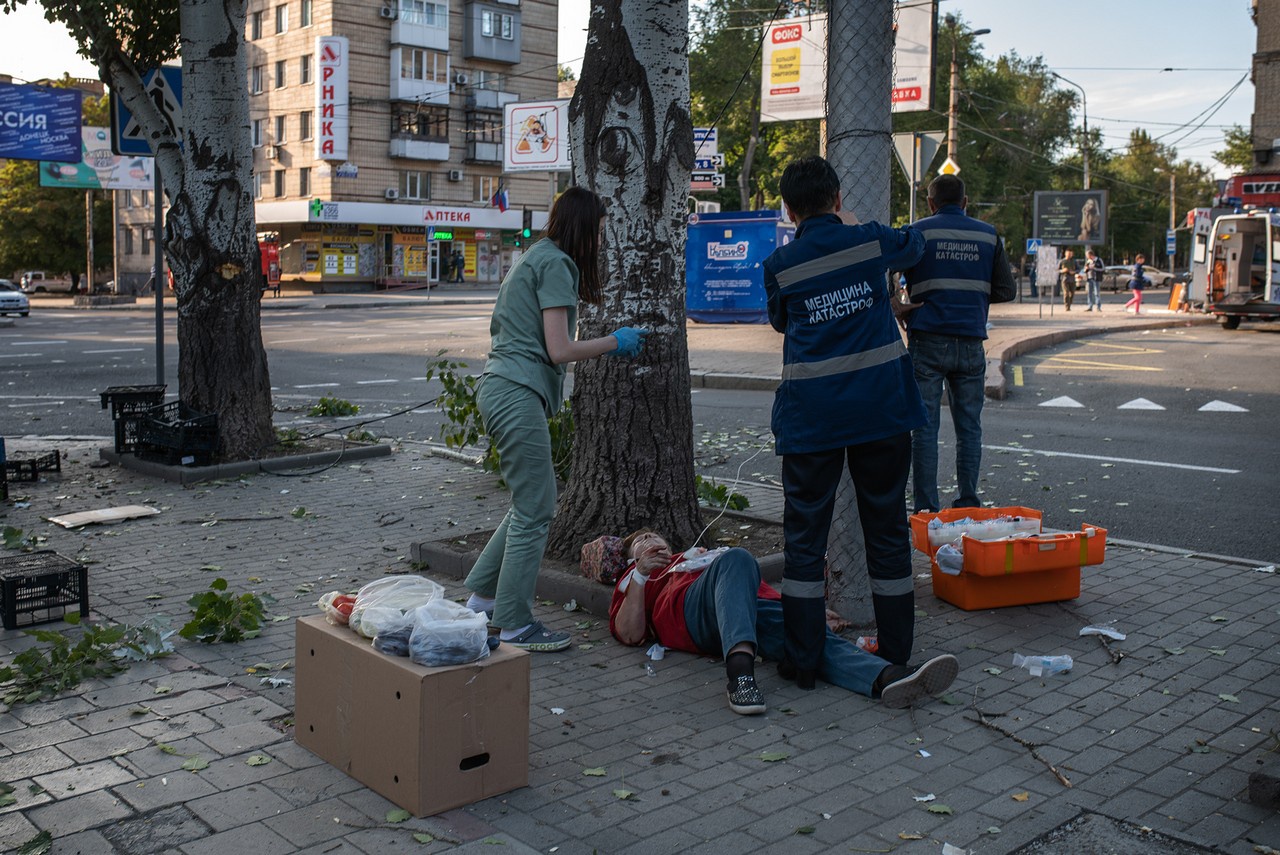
{"x": 533, "y": 326}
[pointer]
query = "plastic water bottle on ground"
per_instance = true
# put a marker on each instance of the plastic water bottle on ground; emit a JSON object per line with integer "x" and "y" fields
{"x": 1042, "y": 666}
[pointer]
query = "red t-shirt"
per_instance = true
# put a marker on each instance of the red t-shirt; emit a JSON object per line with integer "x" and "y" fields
{"x": 664, "y": 606}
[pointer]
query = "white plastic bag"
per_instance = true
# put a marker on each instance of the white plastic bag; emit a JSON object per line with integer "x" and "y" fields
{"x": 447, "y": 633}
{"x": 387, "y": 604}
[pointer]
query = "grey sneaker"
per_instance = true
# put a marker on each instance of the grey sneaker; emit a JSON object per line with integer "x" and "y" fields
{"x": 904, "y": 689}
{"x": 745, "y": 697}
{"x": 538, "y": 639}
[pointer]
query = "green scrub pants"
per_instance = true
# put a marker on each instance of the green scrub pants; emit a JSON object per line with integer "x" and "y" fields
{"x": 507, "y": 569}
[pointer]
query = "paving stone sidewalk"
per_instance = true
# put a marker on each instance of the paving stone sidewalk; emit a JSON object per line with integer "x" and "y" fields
{"x": 1165, "y": 739}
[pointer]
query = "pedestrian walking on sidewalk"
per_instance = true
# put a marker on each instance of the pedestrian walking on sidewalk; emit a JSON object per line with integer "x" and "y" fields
{"x": 847, "y": 398}
{"x": 534, "y": 321}
{"x": 715, "y": 604}
{"x": 1093, "y": 269}
{"x": 1137, "y": 282}
{"x": 963, "y": 271}
{"x": 1067, "y": 279}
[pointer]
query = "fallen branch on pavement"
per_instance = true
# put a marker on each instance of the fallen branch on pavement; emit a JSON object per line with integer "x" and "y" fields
{"x": 1030, "y": 746}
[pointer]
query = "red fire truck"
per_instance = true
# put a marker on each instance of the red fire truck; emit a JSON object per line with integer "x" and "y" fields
{"x": 1251, "y": 190}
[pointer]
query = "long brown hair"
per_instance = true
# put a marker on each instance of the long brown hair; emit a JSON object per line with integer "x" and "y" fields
{"x": 574, "y": 225}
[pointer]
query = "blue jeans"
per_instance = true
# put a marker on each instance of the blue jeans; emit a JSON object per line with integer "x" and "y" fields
{"x": 962, "y": 364}
{"x": 1092, "y": 293}
{"x": 721, "y": 610}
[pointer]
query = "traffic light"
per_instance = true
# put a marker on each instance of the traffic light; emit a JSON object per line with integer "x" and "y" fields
{"x": 527, "y": 231}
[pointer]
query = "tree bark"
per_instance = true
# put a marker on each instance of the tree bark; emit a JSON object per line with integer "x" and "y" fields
{"x": 210, "y": 234}
{"x": 633, "y": 141}
{"x": 749, "y": 156}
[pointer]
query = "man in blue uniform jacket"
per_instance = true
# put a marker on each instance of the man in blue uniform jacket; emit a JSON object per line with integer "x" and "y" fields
{"x": 847, "y": 397}
{"x": 963, "y": 271}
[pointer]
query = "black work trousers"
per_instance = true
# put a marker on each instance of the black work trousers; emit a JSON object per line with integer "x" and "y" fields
{"x": 879, "y": 471}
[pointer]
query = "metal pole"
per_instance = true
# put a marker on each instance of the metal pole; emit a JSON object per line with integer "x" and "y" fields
{"x": 1084, "y": 112}
{"x": 115, "y": 239}
{"x": 955, "y": 84}
{"x": 159, "y": 277}
{"x": 915, "y": 180}
{"x": 88, "y": 241}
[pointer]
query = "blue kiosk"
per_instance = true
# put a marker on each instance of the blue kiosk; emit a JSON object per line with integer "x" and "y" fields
{"x": 723, "y": 263}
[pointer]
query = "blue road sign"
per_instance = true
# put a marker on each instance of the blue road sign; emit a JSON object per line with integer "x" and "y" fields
{"x": 40, "y": 123}
{"x": 164, "y": 87}
{"x": 1170, "y": 242}
{"x": 1033, "y": 245}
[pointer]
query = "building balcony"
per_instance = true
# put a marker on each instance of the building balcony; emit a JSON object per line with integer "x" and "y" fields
{"x": 484, "y": 152}
{"x": 411, "y": 29}
{"x": 419, "y": 148}
{"x": 488, "y": 99}
{"x": 419, "y": 91}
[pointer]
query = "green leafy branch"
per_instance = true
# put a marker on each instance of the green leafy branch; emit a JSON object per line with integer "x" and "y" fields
{"x": 222, "y": 616}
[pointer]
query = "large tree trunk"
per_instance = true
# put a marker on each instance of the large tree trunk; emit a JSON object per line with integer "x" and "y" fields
{"x": 211, "y": 241}
{"x": 749, "y": 156}
{"x": 211, "y": 235}
{"x": 633, "y": 144}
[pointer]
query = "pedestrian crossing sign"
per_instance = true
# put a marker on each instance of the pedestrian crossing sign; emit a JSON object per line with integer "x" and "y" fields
{"x": 163, "y": 87}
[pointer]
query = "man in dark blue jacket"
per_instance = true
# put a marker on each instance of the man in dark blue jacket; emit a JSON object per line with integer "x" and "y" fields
{"x": 847, "y": 397}
{"x": 962, "y": 272}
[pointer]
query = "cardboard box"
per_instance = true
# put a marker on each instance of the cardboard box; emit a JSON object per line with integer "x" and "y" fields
{"x": 428, "y": 739}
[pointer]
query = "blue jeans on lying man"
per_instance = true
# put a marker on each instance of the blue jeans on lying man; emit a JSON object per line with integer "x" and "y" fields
{"x": 721, "y": 609}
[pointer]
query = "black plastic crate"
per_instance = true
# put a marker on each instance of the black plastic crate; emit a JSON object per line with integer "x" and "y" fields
{"x": 175, "y": 434}
{"x": 127, "y": 429}
{"x": 132, "y": 400}
{"x": 41, "y": 586}
{"x": 29, "y": 469}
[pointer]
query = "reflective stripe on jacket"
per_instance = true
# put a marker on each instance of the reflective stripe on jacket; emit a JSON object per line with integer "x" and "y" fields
{"x": 846, "y": 375}
{"x": 953, "y": 278}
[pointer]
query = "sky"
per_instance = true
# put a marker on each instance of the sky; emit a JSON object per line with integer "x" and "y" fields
{"x": 1114, "y": 49}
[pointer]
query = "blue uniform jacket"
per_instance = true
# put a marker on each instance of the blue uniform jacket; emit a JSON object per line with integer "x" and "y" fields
{"x": 953, "y": 279}
{"x": 846, "y": 375}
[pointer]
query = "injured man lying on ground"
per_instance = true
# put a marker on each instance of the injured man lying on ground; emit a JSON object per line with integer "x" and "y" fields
{"x": 714, "y": 603}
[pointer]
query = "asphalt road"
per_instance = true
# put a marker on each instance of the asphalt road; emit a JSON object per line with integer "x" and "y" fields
{"x": 1155, "y": 451}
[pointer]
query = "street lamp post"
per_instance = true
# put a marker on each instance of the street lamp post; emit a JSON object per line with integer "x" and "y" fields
{"x": 955, "y": 85}
{"x": 1084, "y": 111}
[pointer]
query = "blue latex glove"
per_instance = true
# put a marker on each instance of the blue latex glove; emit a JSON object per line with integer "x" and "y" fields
{"x": 630, "y": 341}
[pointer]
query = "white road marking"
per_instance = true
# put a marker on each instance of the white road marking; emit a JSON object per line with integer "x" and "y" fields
{"x": 290, "y": 341}
{"x": 370, "y": 335}
{"x": 1139, "y": 462}
{"x": 18, "y": 355}
{"x": 1221, "y": 407}
{"x": 116, "y": 350}
{"x": 374, "y": 382}
{"x": 1063, "y": 401}
{"x": 316, "y": 386}
{"x": 36, "y": 343}
{"x": 16, "y": 406}
{"x": 1140, "y": 404}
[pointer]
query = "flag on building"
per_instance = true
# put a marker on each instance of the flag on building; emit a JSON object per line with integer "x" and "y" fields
{"x": 499, "y": 200}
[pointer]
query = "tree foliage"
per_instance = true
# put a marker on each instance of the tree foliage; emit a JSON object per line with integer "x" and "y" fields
{"x": 42, "y": 228}
{"x": 1237, "y": 149}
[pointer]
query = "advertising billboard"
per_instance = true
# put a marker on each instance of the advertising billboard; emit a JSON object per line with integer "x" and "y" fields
{"x": 1071, "y": 217}
{"x": 793, "y": 79}
{"x": 40, "y": 123}
{"x": 333, "y": 98}
{"x": 535, "y": 137}
{"x": 99, "y": 167}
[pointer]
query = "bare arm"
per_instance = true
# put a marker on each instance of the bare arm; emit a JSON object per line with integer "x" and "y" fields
{"x": 631, "y": 623}
{"x": 561, "y": 348}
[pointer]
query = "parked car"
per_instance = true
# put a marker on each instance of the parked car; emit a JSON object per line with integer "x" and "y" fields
{"x": 38, "y": 282}
{"x": 1117, "y": 276}
{"x": 12, "y": 300}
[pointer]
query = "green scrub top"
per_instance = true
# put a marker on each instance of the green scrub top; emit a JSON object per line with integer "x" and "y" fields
{"x": 543, "y": 278}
